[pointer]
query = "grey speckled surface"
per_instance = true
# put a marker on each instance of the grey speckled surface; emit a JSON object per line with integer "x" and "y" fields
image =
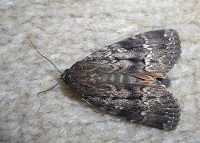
{"x": 66, "y": 32}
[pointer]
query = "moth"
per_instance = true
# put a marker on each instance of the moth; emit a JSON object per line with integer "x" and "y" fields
{"x": 124, "y": 78}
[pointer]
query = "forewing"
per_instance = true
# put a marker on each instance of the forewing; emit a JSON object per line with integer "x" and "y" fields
{"x": 154, "y": 51}
{"x": 121, "y": 78}
{"x": 151, "y": 106}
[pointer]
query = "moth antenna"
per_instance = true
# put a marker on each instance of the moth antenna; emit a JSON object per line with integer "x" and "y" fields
{"x": 53, "y": 65}
{"x": 43, "y": 55}
{"x": 41, "y": 99}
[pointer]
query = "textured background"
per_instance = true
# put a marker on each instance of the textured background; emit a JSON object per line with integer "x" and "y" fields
{"x": 66, "y": 32}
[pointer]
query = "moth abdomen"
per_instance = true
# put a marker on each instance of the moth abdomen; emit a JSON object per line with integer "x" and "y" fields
{"x": 118, "y": 78}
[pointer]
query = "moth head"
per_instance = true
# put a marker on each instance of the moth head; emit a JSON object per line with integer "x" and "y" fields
{"x": 66, "y": 76}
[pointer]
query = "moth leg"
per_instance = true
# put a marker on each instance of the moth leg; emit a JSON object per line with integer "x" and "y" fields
{"x": 143, "y": 76}
{"x": 150, "y": 83}
{"x": 157, "y": 74}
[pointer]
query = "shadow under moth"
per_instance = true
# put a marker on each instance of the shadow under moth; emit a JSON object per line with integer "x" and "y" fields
{"x": 124, "y": 78}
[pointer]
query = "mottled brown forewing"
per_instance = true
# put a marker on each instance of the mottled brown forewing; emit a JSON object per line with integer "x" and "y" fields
{"x": 123, "y": 78}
